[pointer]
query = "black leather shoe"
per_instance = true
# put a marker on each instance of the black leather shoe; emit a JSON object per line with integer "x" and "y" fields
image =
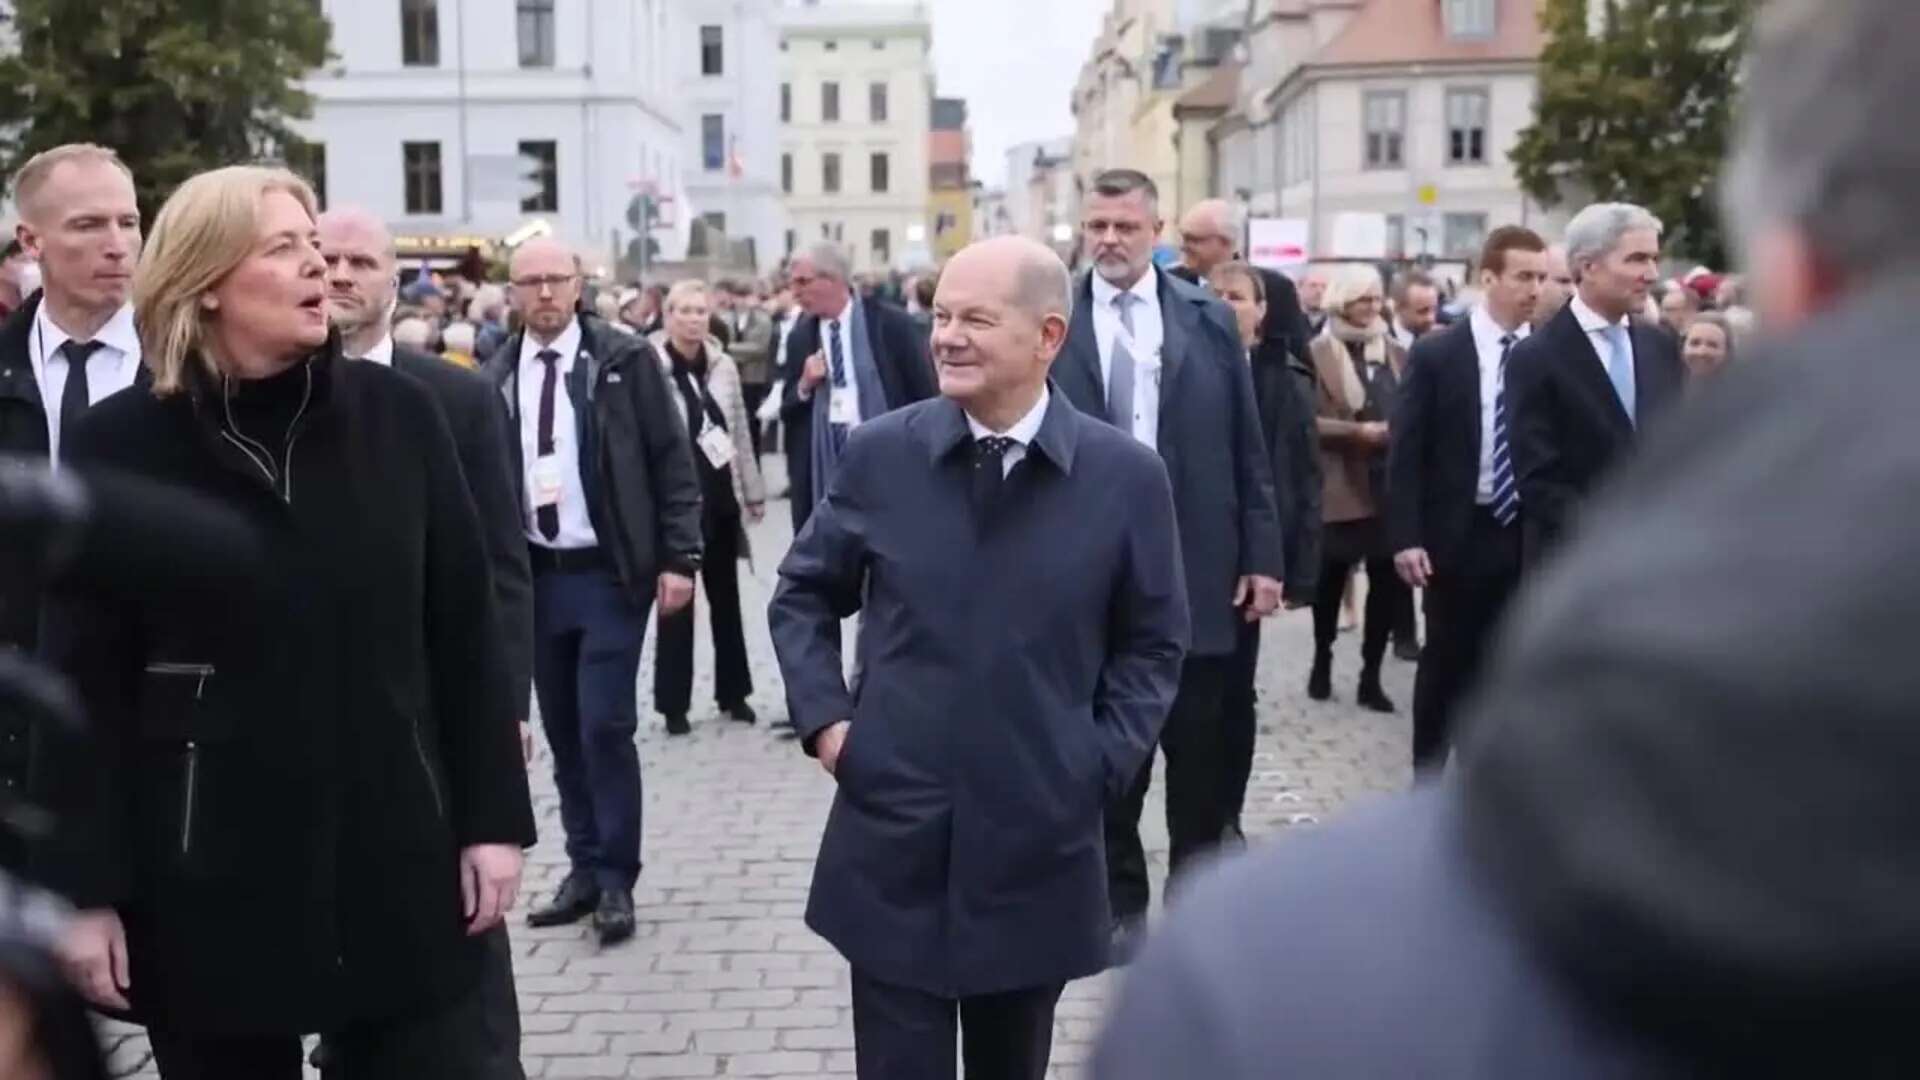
{"x": 740, "y": 711}
{"x": 613, "y": 919}
{"x": 1371, "y": 696}
{"x": 677, "y": 724}
{"x": 1320, "y": 680}
{"x": 575, "y": 900}
{"x": 1408, "y": 650}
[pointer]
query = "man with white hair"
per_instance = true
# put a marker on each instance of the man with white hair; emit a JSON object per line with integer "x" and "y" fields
{"x": 1582, "y": 388}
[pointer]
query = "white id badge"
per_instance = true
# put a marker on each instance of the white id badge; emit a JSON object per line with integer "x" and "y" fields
{"x": 546, "y": 480}
{"x": 718, "y": 447}
{"x": 841, "y": 409}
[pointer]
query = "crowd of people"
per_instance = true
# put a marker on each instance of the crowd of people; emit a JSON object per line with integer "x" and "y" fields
{"x": 1061, "y": 509}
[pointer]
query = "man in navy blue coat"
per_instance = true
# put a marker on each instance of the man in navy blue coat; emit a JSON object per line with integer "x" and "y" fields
{"x": 1024, "y": 618}
{"x": 1162, "y": 361}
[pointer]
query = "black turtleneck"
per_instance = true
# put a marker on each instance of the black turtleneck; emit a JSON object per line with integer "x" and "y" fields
{"x": 265, "y": 410}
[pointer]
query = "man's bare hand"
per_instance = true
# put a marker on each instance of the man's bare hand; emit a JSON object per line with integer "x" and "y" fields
{"x": 675, "y": 593}
{"x": 489, "y": 884}
{"x": 94, "y": 954}
{"x": 1414, "y": 567}
{"x": 1258, "y": 596}
{"x": 827, "y": 744}
{"x": 1375, "y": 433}
{"x": 814, "y": 373}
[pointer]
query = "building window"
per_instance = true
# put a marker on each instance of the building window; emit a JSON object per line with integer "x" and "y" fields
{"x": 882, "y": 247}
{"x": 877, "y": 102}
{"x": 877, "y": 173}
{"x": 1463, "y": 235}
{"x": 1386, "y": 126}
{"x": 1471, "y": 18}
{"x": 786, "y": 174}
{"x": 547, "y": 154}
{"x": 422, "y": 167}
{"x": 713, "y": 142}
{"x": 829, "y": 102}
{"x": 711, "y": 58}
{"x": 792, "y": 242}
{"x": 1467, "y": 127}
{"x": 308, "y": 160}
{"x": 830, "y": 173}
{"x": 420, "y": 33}
{"x": 786, "y": 103}
{"x": 536, "y": 33}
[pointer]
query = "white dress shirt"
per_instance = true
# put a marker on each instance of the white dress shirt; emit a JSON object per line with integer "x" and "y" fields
{"x": 1149, "y": 334}
{"x": 786, "y": 331}
{"x": 382, "y": 354}
{"x": 1596, "y": 327}
{"x": 1486, "y": 343}
{"x": 1022, "y": 432}
{"x": 576, "y": 528}
{"x": 110, "y": 369}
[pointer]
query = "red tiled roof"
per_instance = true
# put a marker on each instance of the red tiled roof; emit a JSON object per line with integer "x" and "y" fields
{"x": 1414, "y": 31}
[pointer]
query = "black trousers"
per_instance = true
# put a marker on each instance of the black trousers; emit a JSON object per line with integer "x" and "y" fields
{"x": 1196, "y": 783}
{"x": 900, "y": 1033}
{"x": 1239, "y": 723}
{"x": 449, "y": 1043}
{"x": 1384, "y": 593}
{"x": 1464, "y": 607}
{"x": 673, "y": 662}
{"x": 753, "y": 394}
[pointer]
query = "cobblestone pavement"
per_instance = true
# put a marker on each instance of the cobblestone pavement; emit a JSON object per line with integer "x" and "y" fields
{"x": 723, "y": 978}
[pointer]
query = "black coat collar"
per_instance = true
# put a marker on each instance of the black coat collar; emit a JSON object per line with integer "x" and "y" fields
{"x": 944, "y": 429}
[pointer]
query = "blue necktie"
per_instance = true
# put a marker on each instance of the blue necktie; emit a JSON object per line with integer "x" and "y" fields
{"x": 1620, "y": 369}
{"x": 1506, "y": 494}
{"x": 837, "y": 371}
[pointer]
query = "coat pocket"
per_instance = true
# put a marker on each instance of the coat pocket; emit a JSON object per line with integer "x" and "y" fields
{"x": 176, "y": 726}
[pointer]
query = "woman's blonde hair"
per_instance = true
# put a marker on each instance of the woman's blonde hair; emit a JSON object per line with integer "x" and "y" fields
{"x": 206, "y": 228}
{"x": 683, "y": 289}
{"x": 1350, "y": 282}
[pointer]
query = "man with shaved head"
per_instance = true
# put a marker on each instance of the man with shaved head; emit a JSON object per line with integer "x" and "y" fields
{"x": 1019, "y": 561}
{"x": 361, "y": 281}
{"x": 610, "y": 512}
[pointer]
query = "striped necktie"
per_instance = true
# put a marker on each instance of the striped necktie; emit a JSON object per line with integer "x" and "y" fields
{"x": 1506, "y": 494}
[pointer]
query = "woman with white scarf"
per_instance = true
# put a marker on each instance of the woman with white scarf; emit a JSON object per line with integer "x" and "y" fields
{"x": 1358, "y": 365}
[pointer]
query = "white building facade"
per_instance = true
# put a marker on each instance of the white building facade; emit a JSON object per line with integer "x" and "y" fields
{"x": 855, "y": 103}
{"x": 474, "y": 120}
{"x": 728, "y": 57}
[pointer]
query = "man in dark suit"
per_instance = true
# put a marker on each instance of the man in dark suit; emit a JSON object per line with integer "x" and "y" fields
{"x": 1210, "y": 235}
{"x": 1162, "y": 360}
{"x": 1021, "y": 559}
{"x": 848, "y": 361}
{"x": 1453, "y": 510}
{"x": 65, "y": 348}
{"x": 361, "y": 280}
{"x": 1583, "y": 387}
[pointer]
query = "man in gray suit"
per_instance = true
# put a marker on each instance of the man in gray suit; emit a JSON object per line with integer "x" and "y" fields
{"x": 1162, "y": 361}
{"x": 1683, "y": 840}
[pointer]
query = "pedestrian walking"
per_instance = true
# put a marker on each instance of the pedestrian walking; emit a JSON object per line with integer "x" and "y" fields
{"x": 1583, "y": 387}
{"x": 68, "y": 346}
{"x": 866, "y": 355}
{"x": 241, "y": 883}
{"x": 361, "y": 262}
{"x": 754, "y": 339}
{"x": 1162, "y": 361}
{"x": 1358, "y": 366}
{"x": 611, "y": 508}
{"x": 1021, "y": 684}
{"x": 732, "y": 496}
{"x": 1453, "y": 510}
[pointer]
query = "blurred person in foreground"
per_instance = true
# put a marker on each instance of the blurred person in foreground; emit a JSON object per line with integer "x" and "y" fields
{"x": 299, "y": 813}
{"x": 707, "y": 386}
{"x": 1013, "y": 683}
{"x": 1650, "y": 863}
{"x": 1453, "y": 510}
{"x": 1283, "y": 390}
{"x": 610, "y": 508}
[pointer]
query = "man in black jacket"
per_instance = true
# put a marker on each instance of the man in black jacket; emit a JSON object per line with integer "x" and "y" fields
{"x": 611, "y": 511}
{"x": 1210, "y": 234}
{"x": 361, "y": 281}
{"x": 848, "y": 361}
{"x": 78, "y": 217}
{"x": 1453, "y": 510}
{"x": 1162, "y": 360}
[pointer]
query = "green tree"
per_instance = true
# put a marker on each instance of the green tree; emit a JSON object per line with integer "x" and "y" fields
{"x": 175, "y": 86}
{"x": 1637, "y": 108}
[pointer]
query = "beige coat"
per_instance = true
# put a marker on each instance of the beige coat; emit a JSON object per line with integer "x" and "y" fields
{"x": 723, "y": 382}
{"x": 1348, "y": 464}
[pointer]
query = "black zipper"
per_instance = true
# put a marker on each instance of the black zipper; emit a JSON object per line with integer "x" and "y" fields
{"x": 433, "y": 782}
{"x": 190, "y": 786}
{"x": 257, "y": 452}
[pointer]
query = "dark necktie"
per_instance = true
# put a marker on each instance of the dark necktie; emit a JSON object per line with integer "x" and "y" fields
{"x": 989, "y": 472}
{"x": 838, "y": 364}
{"x": 76, "y": 397}
{"x": 1506, "y": 495}
{"x": 548, "y": 516}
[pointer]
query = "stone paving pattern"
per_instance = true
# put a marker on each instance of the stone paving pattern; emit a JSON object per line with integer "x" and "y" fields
{"x": 724, "y": 978}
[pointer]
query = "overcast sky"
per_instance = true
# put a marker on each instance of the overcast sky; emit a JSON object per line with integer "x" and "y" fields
{"x": 1015, "y": 62}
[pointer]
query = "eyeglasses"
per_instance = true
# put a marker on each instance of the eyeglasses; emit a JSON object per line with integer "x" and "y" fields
{"x": 542, "y": 281}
